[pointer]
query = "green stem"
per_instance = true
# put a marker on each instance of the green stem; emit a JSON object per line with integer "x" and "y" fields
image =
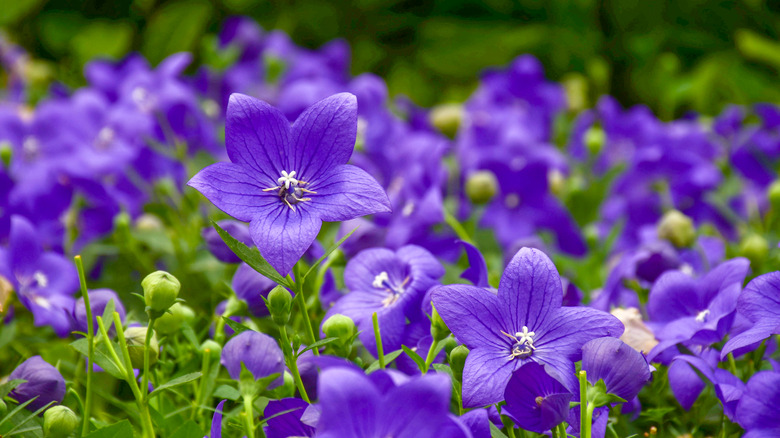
{"x": 561, "y": 430}
{"x": 509, "y": 426}
{"x": 147, "y": 344}
{"x": 431, "y": 355}
{"x": 732, "y": 364}
{"x": 457, "y": 227}
{"x": 586, "y": 410}
{"x": 90, "y": 345}
{"x": 250, "y": 416}
{"x": 379, "y": 349}
{"x": 146, "y": 418}
{"x": 306, "y": 320}
{"x": 204, "y": 369}
{"x": 293, "y": 364}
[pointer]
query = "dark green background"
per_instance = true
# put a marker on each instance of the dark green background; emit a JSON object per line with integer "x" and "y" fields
{"x": 671, "y": 55}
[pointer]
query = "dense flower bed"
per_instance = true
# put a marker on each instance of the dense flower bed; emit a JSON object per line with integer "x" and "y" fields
{"x": 277, "y": 248}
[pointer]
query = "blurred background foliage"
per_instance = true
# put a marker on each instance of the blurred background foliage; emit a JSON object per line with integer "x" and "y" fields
{"x": 673, "y": 56}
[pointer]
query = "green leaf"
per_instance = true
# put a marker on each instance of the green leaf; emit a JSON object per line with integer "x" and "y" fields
{"x": 101, "y": 357}
{"x": 236, "y": 326}
{"x": 175, "y": 382}
{"x": 251, "y": 256}
{"x": 9, "y": 386}
{"x": 7, "y": 333}
{"x": 415, "y": 357}
{"x": 328, "y": 253}
{"x": 598, "y": 395}
{"x": 187, "y": 430}
{"x": 175, "y": 27}
{"x": 122, "y": 429}
{"x": 108, "y": 315}
{"x": 228, "y": 392}
{"x": 389, "y": 357}
{"x": 496, "y": 432}
{"x": 27, "y": 419}
{"x": 317, "y": 344}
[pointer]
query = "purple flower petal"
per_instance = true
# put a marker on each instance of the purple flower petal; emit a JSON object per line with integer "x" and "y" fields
{"x": 530, "y": 289}
{"x": 234, "y": 190}
{"x": 348, "y": 192}
{"x": 535, "y": 400}
{"x": 343, "y": 391}
{"x": 485, "y": 376}
{"x": 284, "y": 235}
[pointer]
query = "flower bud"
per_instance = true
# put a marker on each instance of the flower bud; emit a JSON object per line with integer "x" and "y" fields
{"x": 447, "y": 118}
{"x": 556, "y": 181}
{"x": 170, "y": 322}
{"x": 773, "y": 193}
{"x": 136, "y": 341}
{"x": 160, "y": 290}
{"x": 259, "y": 353}
{"x": 339, "y": 326}
{"x": 279, "y": 303}
{"x": 677, "y": 228}
{"x": 754, "y": 247}
{"x": 439, "y": 329}
{"x": 481, "y": 186}
{"x": 595, "y": 139}
{"x": 59, "y": 422}
{"x": 458, "y": 361}
{"x": 6, "y": 153}
{"x": 42, "y": 381}
{"x": 212, "y": 348}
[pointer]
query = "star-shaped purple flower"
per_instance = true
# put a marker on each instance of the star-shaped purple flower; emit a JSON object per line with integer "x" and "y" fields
{"x": 523, "y": 322}
{"x": 285, "y": 180}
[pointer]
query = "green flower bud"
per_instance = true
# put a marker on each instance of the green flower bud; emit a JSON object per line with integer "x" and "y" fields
{"x": 59, "y": 422}
{"x": 773, "y": 193}
{"x": 170, "y": 322}
{"x": 755, "y": 248}
{"x": 279, "y": 302}
{"x": 149, "y": 222}
{"x": 136, "y": 339}
{"x": 343, "y": 328}
{"x": 556, "y": 180}
{"x": 481, "y": 186}
{"x": 160, "y": 291}
{"x": 439, "y": 329}
{"x": 6, "y": 153}
{"x": 447, "y": 118}
{"x": 458, "y": 361}
{"x": 677, "y": 228}
{"x": 595, "y": 139}
{"x": 188, "y": 314}
{"x": 212, "y": 348}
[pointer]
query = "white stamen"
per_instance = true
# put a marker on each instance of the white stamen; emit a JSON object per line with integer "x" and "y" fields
{"x": 408, "y": 209}
{"x": 41, "y": 279}
{"x": 525, "y": 336}
{"x": 380, "y": 280}
{"x": 41, "y": 301}
{"x": 287, "y": 179}
{"x": 702, "y": 315}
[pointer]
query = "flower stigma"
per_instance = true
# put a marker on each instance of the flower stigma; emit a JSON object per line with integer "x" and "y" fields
{"x": 382, "y": 281}
{"x": 523, "y": 346}
{"x": 291, "y": 189}
{"x": 702, "y": 315}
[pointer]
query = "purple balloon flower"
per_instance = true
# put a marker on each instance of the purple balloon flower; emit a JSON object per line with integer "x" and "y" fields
{"x": 392, "y": 284}
{"x": 757, "y": 409}
{"x": 42, "y": 381}
{"x": 523, "y": 322}
{"x": 760, "y": 303}
{"x": 216, "y": 421}
{"x": 251, "y": 286}
{"x": 285, "y": 180}
{"x": 98, "y": 299}
{"x": 355, "y": 406}
{"x": 288, "y": 421}
{"x": 623, "y": 369}
{"x": 257, "y": 351}
{"x": 217, "y": 246}
{"x": 535, "y": 400}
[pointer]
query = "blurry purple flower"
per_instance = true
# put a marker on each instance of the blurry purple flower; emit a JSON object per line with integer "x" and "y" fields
{"x": 392, "y": 284}
{"x": 623, "y": 369}
{"x": 356, "y": 406}
{"x": 524, "y": 322}
{"x": 760, "y": 303}
{"x": 216, "y": 421}
{"x": 700, "y": 311}
{"x": 257, "y": 351}
{"x": 98, "y": 299}
{"x": 285, "y": 179}
{"x": 45, "y": 281}
{"x": 535, "y": 400}
{"x": 43, "y": 381}
{"x": 477, "y": 272}
{"x": 288, "y": 423}
{"x": 728, "y": 388}
{"x": 757, "y": 409}
{"x": 251, "y": 286}
{"x": 217, "y": 246}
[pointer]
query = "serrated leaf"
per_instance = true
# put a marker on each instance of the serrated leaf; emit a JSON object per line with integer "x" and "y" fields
{"x": 122, "y": 429}
{"x": 236, "y": 326}
{"x": 100, "y": 357}
{"x": 228, "y": 392}
{"x": 415, "y": 357}
{"x": 175, "y": 382}
{"x": 317, "y": 344}
{"x": 328, "y": 253}
{"x": 250, "y": 256}
{"x": 389, "y": 357}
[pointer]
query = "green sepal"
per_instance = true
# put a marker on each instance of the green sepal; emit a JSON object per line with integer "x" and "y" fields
{"x": 598, "y": 396}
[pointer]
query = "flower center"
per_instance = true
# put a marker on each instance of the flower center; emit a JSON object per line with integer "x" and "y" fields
{"x": 523, "y": 346}
{"x": 291, "y": 190}
{"x": 702, "y": 315}
{"x": 382, "y": 282}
